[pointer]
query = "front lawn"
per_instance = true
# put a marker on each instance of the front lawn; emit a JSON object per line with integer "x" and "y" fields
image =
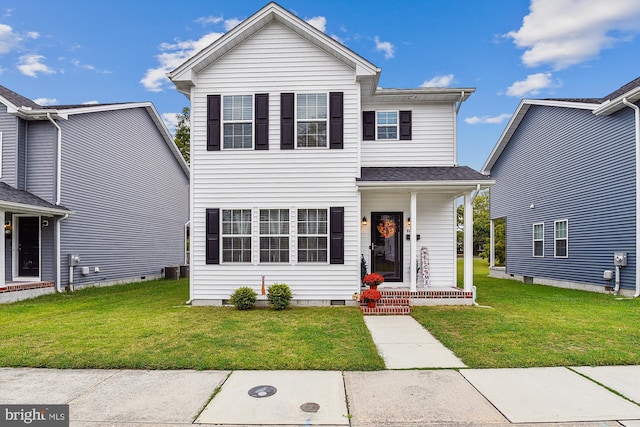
{"x": 534, "y": 325}
{"x": 147, "y": 326}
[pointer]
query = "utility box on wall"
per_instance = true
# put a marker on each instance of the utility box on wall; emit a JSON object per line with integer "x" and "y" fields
{"x": 74, "y": 260}
{"x": 620, "y": 259}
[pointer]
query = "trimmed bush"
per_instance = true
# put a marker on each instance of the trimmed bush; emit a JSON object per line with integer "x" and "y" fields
{"x": 243, "y": 298}
{"x": 279, "y": 296}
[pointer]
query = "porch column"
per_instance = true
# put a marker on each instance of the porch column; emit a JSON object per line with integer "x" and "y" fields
{"x": 413, "y": 261}
{"x": 468, "y": 243}
{"x": 492, "y": 244}
{"x": 3, "y": 264}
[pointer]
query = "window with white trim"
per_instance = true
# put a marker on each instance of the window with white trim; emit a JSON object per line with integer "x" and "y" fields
{"x": 236, "y": 235}
{"x": 274, "y": 235}
{"x": 312, "y": 235}
{"x": 237, "y": 121}
{"x": 386, "y": 125}
{"x": 538, "y": 240}
{"x": 561, "y": 238}
{"x": 311, "y": 119}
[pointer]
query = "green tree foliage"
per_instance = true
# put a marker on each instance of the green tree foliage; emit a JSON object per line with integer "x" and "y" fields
{"x": 183, "y": 133}
{"x": 481, "y": 225}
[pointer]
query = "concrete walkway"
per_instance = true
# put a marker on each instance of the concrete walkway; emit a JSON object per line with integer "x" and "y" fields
{"x": 607, "y": 396}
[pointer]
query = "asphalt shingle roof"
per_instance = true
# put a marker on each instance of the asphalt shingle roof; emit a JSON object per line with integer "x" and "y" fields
{"x": 414, "y": 174}
{"x": 13, "y": 195}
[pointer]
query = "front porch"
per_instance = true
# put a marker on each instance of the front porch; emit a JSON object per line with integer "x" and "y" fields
{"x": 18, "y": 291}
{"x": 397, "y": 301}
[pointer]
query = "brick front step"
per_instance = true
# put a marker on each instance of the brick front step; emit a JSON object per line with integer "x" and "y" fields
{"x": 387, "y": 309}
{"x": 436, "y": 293}
{"x": 393, "y": 301}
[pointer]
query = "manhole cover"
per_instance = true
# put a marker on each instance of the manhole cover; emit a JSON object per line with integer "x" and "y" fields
{"x": 262, "y": 391}
{"x": 310, "y": 407}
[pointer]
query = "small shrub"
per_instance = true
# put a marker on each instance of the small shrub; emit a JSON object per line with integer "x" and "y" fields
{"x": 243, "y": 298}
{"x": 279, "y": 296}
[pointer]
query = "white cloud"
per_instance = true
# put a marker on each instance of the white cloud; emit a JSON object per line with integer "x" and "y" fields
{"x": 90, "y": 102}
{"x": 206, "y": 20}
{"x": 231, "y": 22}
{"x": 9, "y": 40}
{"x": 568, "y": 32}
{"x": 171, "y": 121}
{"x": 385, "y": 47}
{"x": 174, "y": 54}
{"x": 85, "y": 66}
{"x": 33, "y": 35}
{"x": 531, "y": 85}
{"x": 318, "y": 22}
{"x": 496, "y": 120}
{"x": 439, "y": 81}
{"x": 31, "y": 65}
{"x": 46, "y": 101}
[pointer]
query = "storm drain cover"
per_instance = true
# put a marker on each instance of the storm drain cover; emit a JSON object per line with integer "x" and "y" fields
{"x": 262, "y": 391}
{"x": 310, "y": 407}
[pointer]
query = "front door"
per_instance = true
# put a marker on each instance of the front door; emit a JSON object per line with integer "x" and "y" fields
{"x": 386, "y": 245}
{"x": 28, "y": 241}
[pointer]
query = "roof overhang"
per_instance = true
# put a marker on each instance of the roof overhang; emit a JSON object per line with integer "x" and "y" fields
{"x": 420, "y": 95}
{"x": 610, "y": 107}
{"x": 23, "y": 208}
{"x": 185, "y": 76}
{"x": 517, "y": 117}
{"x": 450, "y": 187}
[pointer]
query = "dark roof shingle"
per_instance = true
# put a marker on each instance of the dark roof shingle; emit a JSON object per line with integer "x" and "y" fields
{"x": 415, "y": 174}
{"x": 13, "y": 195}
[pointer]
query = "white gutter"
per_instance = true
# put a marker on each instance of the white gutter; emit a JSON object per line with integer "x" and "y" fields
{"x": 637, "y": 117}
{"x": 58, "y": 284}
{"x": 58, "y": 158}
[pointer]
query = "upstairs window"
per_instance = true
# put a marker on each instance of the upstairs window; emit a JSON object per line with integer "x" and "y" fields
{"x": 561, "y": 238}
{"x": 274, "y": 235}
{"x": 538, "y": 240}
{"x": 312, "y": 235}
{"x": 236, "y": 235}
{"x": 387, "y": 124}
{"x": 237, "y": 121}
{"x": 311, "y": 119}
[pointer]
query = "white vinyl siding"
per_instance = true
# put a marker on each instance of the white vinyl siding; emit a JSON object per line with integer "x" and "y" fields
{"x": 312, "y": 235}
{"x": 561, "y": 238}
{"x": 237, "y": 121}
{"x": 236, "y": 235}
{"x": 538, "y": 240}
{"x": 387, "y": 125}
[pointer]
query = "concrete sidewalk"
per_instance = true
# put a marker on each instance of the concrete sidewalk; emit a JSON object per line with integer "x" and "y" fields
{"x": 594, "y": 396}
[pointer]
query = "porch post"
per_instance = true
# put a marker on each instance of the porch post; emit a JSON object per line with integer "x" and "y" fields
{"x": 468, "y": 243}
{"x": 413, "y": 261}
{"x": 3, "y": 264}
{"x": 492, "y": 244}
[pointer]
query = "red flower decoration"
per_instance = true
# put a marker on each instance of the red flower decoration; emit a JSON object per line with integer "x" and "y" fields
{"x": 371, "y": 295}
{"x": 373, "y": 279}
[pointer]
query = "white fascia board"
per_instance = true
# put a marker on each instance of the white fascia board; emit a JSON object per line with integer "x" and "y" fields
{"x": 426, "y": 185}
{"x": 31, "y": 209}
{"x": 610, "y": 107}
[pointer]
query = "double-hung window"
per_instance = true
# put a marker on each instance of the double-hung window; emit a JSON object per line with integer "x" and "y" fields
{"x": 538, "y": 240}
{"x": 387, "y": 125}
{"x": 236, "y": 235}
{"x": 237, "y": 121}
{"x": 561, "y": 238}
{"x": 312, "y": 235}
{"x": 311, "y": 119}
{"x": 274, "y": 235}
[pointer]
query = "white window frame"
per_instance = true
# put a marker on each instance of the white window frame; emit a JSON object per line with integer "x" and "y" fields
{"x": 556, "y": 238}
{"x": 317, "y": 235}
{"x": 397, "y": 125}
{"x": 299, "y": 120}
{"x": 233, "y": 235}
{"x": 538, "y": 240}
{"x": 281, "y": 235}
{"x": 237, "y": 121}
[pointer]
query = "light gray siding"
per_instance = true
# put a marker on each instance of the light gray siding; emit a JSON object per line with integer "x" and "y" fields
{"x": 569, "y": 164}
{"x": 128, "y": 194}
{"x": 9, "y": 129}
{"x": 41, "y": 157}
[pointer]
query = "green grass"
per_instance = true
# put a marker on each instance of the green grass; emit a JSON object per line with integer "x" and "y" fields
{"x": 147, "y": 326}
{"x": 533, "y": 325}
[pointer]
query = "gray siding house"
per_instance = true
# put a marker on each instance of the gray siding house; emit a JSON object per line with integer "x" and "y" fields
{"x": 566, "y": 173}
{"x": 89, "y": 195}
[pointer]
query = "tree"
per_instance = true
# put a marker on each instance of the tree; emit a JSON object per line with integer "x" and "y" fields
{"x": 183, "y": 133}
{"x": 481, "y": 225}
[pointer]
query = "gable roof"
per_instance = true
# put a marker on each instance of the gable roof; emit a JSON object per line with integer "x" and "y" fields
{"x": 184, "y": 76}
{"x": 599, "y": 106}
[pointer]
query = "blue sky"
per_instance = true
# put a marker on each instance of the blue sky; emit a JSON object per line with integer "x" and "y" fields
{"x": 79, "y": 51}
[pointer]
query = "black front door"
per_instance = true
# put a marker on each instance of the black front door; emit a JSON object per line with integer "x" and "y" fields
{"x": 28, "y": 246}
{"x": 386, "y": 245}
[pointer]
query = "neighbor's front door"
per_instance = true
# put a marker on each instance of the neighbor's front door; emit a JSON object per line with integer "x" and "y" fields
{"x": 386, "y": 245}
{"x": 28, "y": 241}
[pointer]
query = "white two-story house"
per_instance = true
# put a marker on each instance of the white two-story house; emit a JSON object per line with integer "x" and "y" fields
{"x": 302, "y": 167}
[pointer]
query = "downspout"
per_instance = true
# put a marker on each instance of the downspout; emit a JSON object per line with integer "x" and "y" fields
{"x": 58, "y": 180}
{"x": 637, "y": 117}
{"x": 58, "y": 280}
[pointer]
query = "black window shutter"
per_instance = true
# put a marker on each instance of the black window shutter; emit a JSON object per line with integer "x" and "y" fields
{"x": 336, "y": 120}
{"x": 213, "y": 236}
{"x": 213, "y": 122}
{"x": 287, "y": 121}
{"x": 368, "y": 125}
{"x": 336, "y": 216}
{"x": 405, "y": 124}
{"x": 262, "y": 121}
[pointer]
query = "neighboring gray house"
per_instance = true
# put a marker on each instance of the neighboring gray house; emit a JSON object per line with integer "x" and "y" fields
{"x": 567, "y": 179}
{"x": 89, "y": 194}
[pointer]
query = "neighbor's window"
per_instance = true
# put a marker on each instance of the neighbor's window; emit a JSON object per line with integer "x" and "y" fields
{"x": 312, "y": 235}
{"x": 237, "y": 121}
{"x": 561, "y": 238}
{"x": 387, "y": 124}
{"x": 236, "y": 235}
{"x": 274, "y": 235}
{"x": 538, "y": 240}
{"x": 311, "y": 116}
